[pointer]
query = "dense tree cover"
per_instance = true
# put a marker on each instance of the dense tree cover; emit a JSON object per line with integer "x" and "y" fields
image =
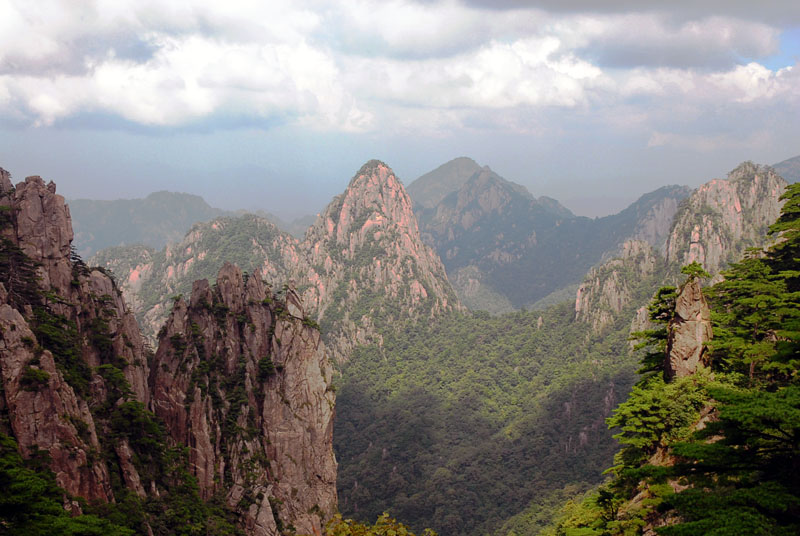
{"x": 384, "y": 526}
{"x": 716, "y": 453}
{"x": 31, "y": 504}
{"x": 460, "y": 423}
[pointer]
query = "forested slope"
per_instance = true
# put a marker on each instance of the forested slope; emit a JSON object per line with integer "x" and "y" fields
{"x": 715, "y": 451}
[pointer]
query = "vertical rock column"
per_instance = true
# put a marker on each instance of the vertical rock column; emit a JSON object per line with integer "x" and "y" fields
{"x": 689, "y": 330}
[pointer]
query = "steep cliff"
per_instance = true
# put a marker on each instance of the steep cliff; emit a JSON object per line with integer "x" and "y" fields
{"x": 65, "y": 331}
{"x": 361, "y": 267}
{"x": 369, "y": 266}
{"x": 724, "y": 217}
{"x": 244, "y": 381}
{"x": 240, "y": 380}
{"x": 149, "y": 279}
{"x": 713, "y": 226}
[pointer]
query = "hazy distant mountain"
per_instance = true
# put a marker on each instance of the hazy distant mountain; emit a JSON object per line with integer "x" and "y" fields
{"x": 505, "y": 249}
{"x": 789, "y": 169}
{"x": 159, "y": 218}
{"x": 429, "y": 189}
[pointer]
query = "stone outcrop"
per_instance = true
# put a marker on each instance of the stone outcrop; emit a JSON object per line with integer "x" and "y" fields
{"x": 688, "y": 332}
{"x": 240, "y": 377}
{"x": 71, "y": 304}
{"x": 369, "y": 264}
{"x": 610, "y": 287}
{"x": 724, "y": 217}
{"x": 244, "y": 380}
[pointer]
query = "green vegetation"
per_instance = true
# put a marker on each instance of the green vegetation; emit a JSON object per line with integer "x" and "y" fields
{"x": 460, "y": 423}
{"x": 31, "y": 504}
{"x": 739, "y": 471}
{"x": 159, "y": 218}
{"x": 384, "y": 526}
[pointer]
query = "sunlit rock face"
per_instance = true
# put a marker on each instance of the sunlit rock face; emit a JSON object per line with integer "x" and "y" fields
{"x": 724, "y": 217}
{"x": 245, "y": 381}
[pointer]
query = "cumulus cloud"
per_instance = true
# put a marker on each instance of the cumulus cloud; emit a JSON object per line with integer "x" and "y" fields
{"x": 362, "y": 65}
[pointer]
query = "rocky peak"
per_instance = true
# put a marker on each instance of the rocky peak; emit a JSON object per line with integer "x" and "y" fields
{"x": 724, "y": 217}
{"x": 688, "y": 332}
{"x": 367, "y": 259}
{"x": 240, "y": 378}
{"x": 373, "y": 199}
{"x": 245, "y": 382}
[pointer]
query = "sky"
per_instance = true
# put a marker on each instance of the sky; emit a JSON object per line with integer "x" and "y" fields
{"x": 275, "y": 105}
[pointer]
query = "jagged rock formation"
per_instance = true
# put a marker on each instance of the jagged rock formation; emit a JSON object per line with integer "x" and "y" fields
{"x": 504, "y": 249}
{"x": 361, "y": 266}
{"x": 369, "y": 266}
{"x": 724, "y": 217}
{"x": 688, "y": 332}
{"x": 713, "y": 226}
{"x": 248, "y": 393}
{"x": 150, "y": 279}
{"x": 245, "y": 382}
{"x": 610, "y": 287}
{"x": 49, "y": 396}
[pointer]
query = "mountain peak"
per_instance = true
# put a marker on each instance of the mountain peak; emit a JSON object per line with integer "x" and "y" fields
{"x": 429, "y": 189}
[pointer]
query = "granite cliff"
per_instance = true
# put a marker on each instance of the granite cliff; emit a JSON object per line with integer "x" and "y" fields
{"x": 240, "y": 380}
{"x": 724, "y": 217}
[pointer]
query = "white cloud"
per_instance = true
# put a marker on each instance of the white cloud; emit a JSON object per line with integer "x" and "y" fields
{"x": 751, "y": 82}
{"x": 360, "y": 65}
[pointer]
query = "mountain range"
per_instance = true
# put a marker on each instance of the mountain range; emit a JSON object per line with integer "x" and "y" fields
{"x": 462, "y": 421}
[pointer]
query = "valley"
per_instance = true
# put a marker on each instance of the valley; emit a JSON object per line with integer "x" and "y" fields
{"x": 394, "y": 340}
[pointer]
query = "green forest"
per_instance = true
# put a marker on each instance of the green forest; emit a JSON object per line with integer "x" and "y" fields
{"x": 459, "y": 424}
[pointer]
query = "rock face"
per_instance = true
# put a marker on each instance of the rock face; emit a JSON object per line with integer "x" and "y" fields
{"x": 149, "y": 279}
{"x": 245, "y": 382}
{"x": 610, "y": 287}
{"x": 368, "y": 262}
{"x": 722, "y": 218}
{"x": 240, "y": 377}
{"x": 46, "y": 331}
{"x": 688, "y": 332}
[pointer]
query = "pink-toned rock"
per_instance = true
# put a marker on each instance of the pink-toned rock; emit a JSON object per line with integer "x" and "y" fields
{"x": 724, "y": 217}
{"x": 688, "y": 332}
{"x": 280, "y": 446}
